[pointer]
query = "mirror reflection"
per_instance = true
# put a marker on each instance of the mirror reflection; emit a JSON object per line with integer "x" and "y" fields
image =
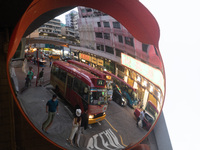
{"x": 88, "y": 83}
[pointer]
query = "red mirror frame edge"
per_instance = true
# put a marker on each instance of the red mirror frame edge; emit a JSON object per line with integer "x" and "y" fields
{"x": 137, "y": 19}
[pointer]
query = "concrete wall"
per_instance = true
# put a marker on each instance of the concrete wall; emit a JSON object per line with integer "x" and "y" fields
{"x": 162, "y": 135}
{"x": 16, "y": 132}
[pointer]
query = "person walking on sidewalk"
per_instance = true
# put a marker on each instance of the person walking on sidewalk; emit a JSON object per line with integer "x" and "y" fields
{"x": 50, "y": 62}
{"x": 51, "y": 108}
{"x": 27, "y": 81}
{"x": 75, "y": 125}
{"x": 141, "y": 117}
{"x": 30, "y": 73}
{"x": 41, "y": 78}
{"x": 84, "y": 125}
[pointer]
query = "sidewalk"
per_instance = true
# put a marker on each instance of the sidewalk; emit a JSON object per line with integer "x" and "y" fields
{"x": 33, "y": 101}
{"x": 21, "y": 75}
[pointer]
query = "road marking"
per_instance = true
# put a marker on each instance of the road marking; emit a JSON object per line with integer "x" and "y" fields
{"x": 116, "y": 131}
{"x": 111, "y": 125}
{"x": 108, "y": 139}
{"x": 122, "y": 141}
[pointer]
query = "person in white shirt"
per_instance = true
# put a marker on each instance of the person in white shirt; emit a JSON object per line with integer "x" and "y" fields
{"x": 141, "y": 117}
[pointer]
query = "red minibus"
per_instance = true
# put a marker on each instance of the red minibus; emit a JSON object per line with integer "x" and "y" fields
{"x": 97, "y": 73}
{"x": 79, "y": 87}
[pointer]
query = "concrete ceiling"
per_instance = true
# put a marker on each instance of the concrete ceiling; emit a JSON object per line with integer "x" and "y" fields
{"x": 12, "y": 10}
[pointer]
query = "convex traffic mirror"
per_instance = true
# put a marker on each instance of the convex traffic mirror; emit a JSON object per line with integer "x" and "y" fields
{"x": 94, "y": 63}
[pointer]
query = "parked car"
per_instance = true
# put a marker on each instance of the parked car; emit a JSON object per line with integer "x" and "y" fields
{"x": 131, "y": 102}
{"x": 65, "y": 59}
{"x": 148, "y": 118}
{"x": 117, "y": 96}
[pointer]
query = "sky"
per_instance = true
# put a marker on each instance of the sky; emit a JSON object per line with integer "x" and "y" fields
{"x": 179, "y": 45}
{"x": 62, "y": 16}
{"x": 179, "y": 37}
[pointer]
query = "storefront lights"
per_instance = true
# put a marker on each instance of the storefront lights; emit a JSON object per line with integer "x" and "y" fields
{"x": 145, "y": 83}
{"x": 151, "y": 88}
{"x": 158, "y": 95}
{"x": 153, "y": 74}
{"x": 138, "y": 78}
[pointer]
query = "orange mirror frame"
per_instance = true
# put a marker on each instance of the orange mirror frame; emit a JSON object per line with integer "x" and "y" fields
{"x": 136, "y": 18}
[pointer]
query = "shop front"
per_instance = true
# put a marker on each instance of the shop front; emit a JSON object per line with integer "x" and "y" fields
{"x": 109, "y": 66}
{"x": 92, "y": 61}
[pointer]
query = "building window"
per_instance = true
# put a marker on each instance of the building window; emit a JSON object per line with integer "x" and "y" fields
{"x": 107, "y": 36}
{"x": 118, "y": 52}
{"x": 120, "y": 38}
{"x": 129, "y": 41}
{"x": 98, "y": 34}
{"x": 99, "y": 24}
{"x": 100, "y": 47}
{"x": 83, "y": 10}
{"x": 109, "y": 50}
{"x": 116, "y": 25}
{"x": 106, "y": 24}
{"x": 88, "y": 9}
{"x": 144, "y": 47}
{"x": 120, "y": 68}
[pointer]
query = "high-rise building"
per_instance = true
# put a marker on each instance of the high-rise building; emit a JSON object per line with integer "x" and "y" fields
{"x": 71, "y": 22}
{"x": 51, "y": 28}
{"x": 106, "y": 36}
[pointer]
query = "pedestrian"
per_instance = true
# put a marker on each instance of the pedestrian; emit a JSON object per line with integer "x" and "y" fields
{"x": 83, "y": 126}
{"x": 27, "y": 81}
{"x": 41, "y": 78}
{"x": 30, "y": 73}
{"x": 34, "y": 60}
{"x": 51, "y": 109}
{"x": 25, "y": 66}
{"x": 50, "y": 62}
{"x": 75, "y": 125}
{"x": 141, "y": 117}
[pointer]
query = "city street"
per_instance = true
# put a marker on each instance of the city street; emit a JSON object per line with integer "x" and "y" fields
{"x": 117, "y": 131}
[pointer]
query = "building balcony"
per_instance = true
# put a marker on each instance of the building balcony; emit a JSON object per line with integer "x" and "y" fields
{"x": 98, "y": 29}
{"x": 102, "y": 29}
{"x": 117, "y": 31}
{"x": 99, "y": 40}
{"x": 104, "y": 42}
{"x": 142, "y": 55}
{"x": 89, "y": 13}
{"x": 120, "y": 46}
{"x": 108, "y": 43}
{"x": 107, "y": 30}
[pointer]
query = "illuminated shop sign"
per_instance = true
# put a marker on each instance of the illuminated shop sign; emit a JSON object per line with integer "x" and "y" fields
{"x": 85, "y": 57}
{"x": 154, "y": 75}
{"x": 130, "y": 82}
{"x": 94, "y": 60}
{"x": 100, "y": 62}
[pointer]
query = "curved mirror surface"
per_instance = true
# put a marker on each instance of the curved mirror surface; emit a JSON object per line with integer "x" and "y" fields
{"x": 94, "y": 64}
